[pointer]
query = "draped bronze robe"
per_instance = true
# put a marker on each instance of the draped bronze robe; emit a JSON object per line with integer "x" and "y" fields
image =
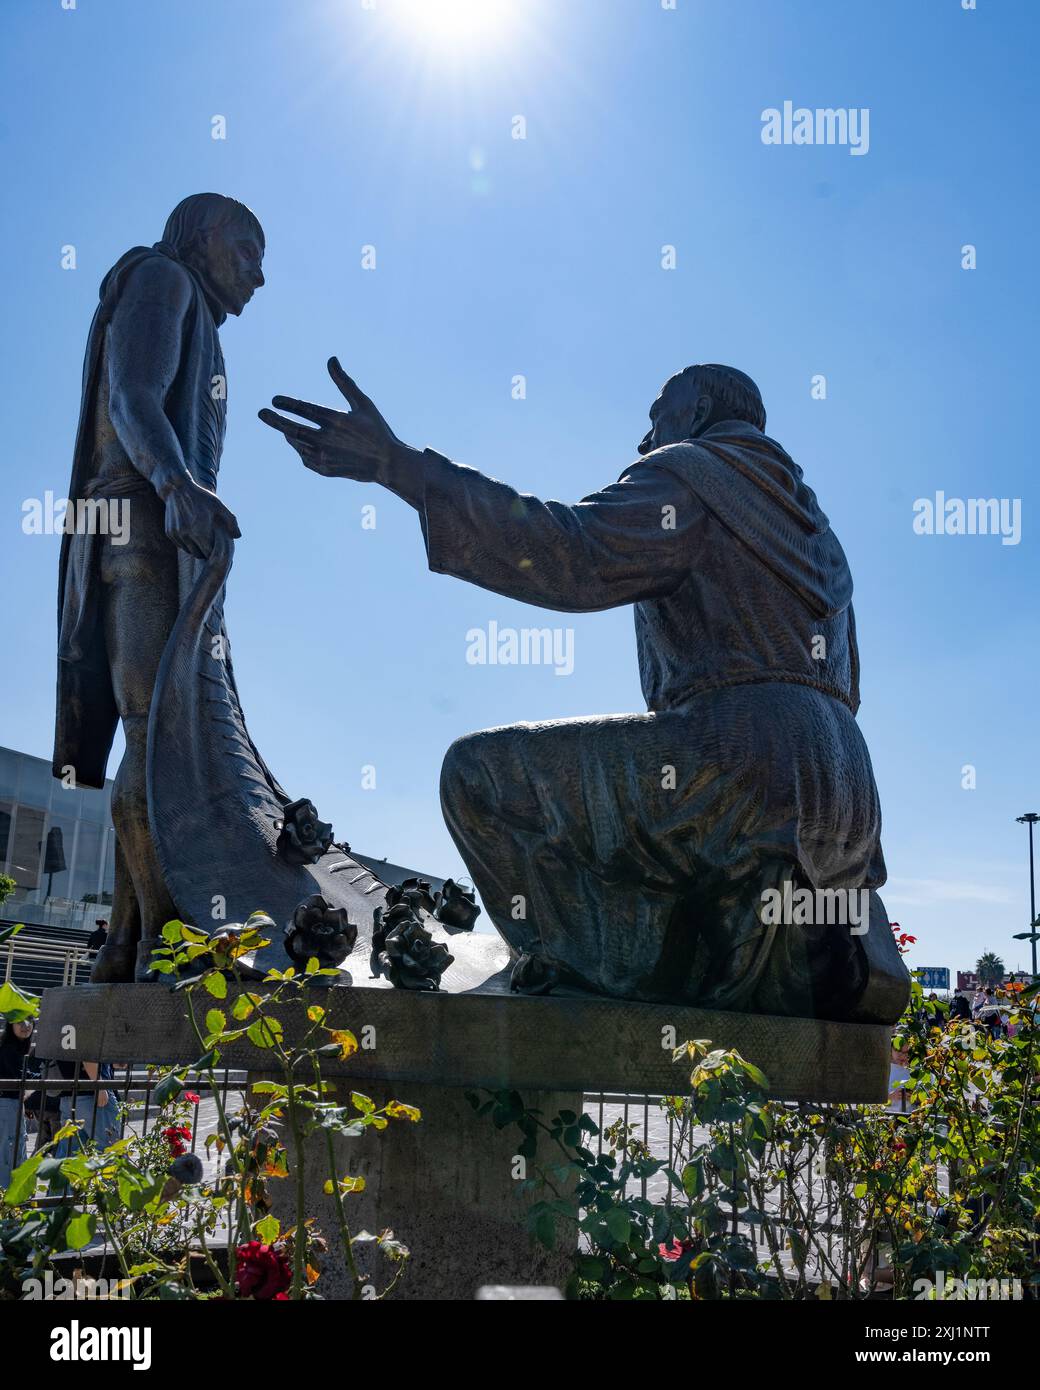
{"x": 627, "y": 854}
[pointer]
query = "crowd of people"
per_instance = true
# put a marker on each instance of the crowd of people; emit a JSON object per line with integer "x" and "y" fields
{"x": 990, "y": 1007}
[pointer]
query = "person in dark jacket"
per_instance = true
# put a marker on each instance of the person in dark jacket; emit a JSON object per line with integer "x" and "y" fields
{"x": 14, "y": 1050}
{"x": 99, "y": 935}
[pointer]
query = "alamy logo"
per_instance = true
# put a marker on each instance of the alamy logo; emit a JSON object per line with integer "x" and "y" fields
{"x": 77, "y": 1343}
{"x": 86, "y": 516}
{"x": 824, "y": 125}
{"x": 526, "y": 646}
{"x": 969, "y": 1290}
{"x": 816, "y": 907}
{"x": 79, "y": 1287}
{"x": 972, "y": 516}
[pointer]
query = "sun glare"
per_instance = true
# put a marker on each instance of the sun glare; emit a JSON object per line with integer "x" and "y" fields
{"x": 461, "y": 25}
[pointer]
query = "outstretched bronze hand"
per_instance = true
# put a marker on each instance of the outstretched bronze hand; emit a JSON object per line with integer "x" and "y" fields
{"x": 346, "y": 444}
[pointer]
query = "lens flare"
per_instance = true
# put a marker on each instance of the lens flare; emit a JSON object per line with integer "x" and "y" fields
{"x": 461, "y": 25}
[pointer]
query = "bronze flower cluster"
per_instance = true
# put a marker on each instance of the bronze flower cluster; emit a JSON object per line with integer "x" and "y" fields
{"x": 318, "y": 931}
{"x": 303, "y": 838}
{"x": 402, "y": 945}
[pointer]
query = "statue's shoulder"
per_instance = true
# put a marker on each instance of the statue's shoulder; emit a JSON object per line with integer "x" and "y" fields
{"x": 683, "y": 459}
{"x": 146, "y": 275}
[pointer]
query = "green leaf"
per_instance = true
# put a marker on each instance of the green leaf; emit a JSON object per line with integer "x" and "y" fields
{"x": 216, "y": 985}
{"x": 757, "y": 1075}
{"x": 23, "y": 1181}
{"x": 268, "y": 1229}
{"x": 264, "y": 1032}
{"x": 215, "y": 1021}
{"x": 619, "y": 1224}
{"x": 591, "y": 1268}
{"x": 16, "y": 1006}
{"x": 80, "y": 1230}
{"x": 693, "y": 1179}
{"x": 169, "y": 1088}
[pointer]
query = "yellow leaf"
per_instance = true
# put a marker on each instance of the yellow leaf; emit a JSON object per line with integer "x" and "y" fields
{"x": 348, "y": 1044}
{"x": 397, "y": 1110}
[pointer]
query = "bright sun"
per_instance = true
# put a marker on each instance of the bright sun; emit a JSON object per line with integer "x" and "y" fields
{"x": 456, "y": 24}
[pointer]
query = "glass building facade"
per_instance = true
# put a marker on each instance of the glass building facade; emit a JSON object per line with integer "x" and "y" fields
{"x": 56, "y": 842}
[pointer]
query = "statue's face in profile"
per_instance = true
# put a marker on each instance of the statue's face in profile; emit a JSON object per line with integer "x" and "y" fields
{"x": 669, "y": 423}
{"x": 232, "y": 256}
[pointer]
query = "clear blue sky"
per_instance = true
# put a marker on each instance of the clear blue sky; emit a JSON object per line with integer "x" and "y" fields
{"x": 495, "y": 256}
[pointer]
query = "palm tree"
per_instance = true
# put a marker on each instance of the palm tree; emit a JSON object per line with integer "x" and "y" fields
{"x": 989, "y": 968}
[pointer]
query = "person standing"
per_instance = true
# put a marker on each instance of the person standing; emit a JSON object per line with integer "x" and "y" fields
{"x": 14, "y": 1049}
{"x": 99, "y": 935}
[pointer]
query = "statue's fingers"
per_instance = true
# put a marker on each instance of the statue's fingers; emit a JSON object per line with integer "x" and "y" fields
{"x": 292, "y": 429}
{"x": 317, "y": 414}
{"x": 317, "y": 464}
{"x": 310, "y": 456}
{"x": 347, "y": 386}
{"x": 187, "y": 542}
{"x": 229, "y": 522}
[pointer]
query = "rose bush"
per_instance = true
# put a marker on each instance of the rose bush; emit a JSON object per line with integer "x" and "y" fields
{"x": 174, "y": 1230}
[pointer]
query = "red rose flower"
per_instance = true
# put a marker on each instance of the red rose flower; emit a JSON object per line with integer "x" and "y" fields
{"x": 191, "y": 1097}
{"x": 262, "y": 1272}
{"x": 175, "y": 1136}
{"x": 676, "y": 1250}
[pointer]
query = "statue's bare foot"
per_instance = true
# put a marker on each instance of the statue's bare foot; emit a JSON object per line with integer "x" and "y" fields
{"x": 532, "y": 975}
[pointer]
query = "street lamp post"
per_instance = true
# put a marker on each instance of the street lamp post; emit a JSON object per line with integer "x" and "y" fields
{"x": 1030, "y": 818}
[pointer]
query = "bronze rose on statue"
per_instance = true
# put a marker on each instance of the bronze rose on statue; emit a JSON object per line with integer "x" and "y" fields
{"x": 303, "y": 838}
{"x": 319, "y": 932}
{"x": 412, "y": 958}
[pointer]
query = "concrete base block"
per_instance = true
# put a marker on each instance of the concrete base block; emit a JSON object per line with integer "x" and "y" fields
{"x": 493, "y": 1040}
{"x": 446, "y": 1187}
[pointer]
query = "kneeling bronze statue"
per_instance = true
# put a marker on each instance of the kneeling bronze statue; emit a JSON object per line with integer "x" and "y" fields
{"x": 658, "y": 856}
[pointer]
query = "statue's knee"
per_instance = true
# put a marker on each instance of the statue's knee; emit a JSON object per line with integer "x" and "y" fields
{"x": 473, "y": 767}
{"x": 129, "y": 790}
{"x": 459, "y": 768}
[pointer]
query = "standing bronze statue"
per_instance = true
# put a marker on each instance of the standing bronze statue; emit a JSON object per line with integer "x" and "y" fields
{"x": 722, "y": 849}
{"x": 204, "y": 831}
{"x": 150, "y": 434}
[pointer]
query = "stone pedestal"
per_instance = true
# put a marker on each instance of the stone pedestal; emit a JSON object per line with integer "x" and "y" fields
{"x": 447, "y": 1187}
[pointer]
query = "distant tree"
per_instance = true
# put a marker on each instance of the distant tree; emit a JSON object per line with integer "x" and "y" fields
{"x": 7, "y": 887}
{"x": 989, "y": 968}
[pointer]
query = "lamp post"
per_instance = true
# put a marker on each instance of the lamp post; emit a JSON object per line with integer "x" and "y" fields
{"x": 1030, "y": 818}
